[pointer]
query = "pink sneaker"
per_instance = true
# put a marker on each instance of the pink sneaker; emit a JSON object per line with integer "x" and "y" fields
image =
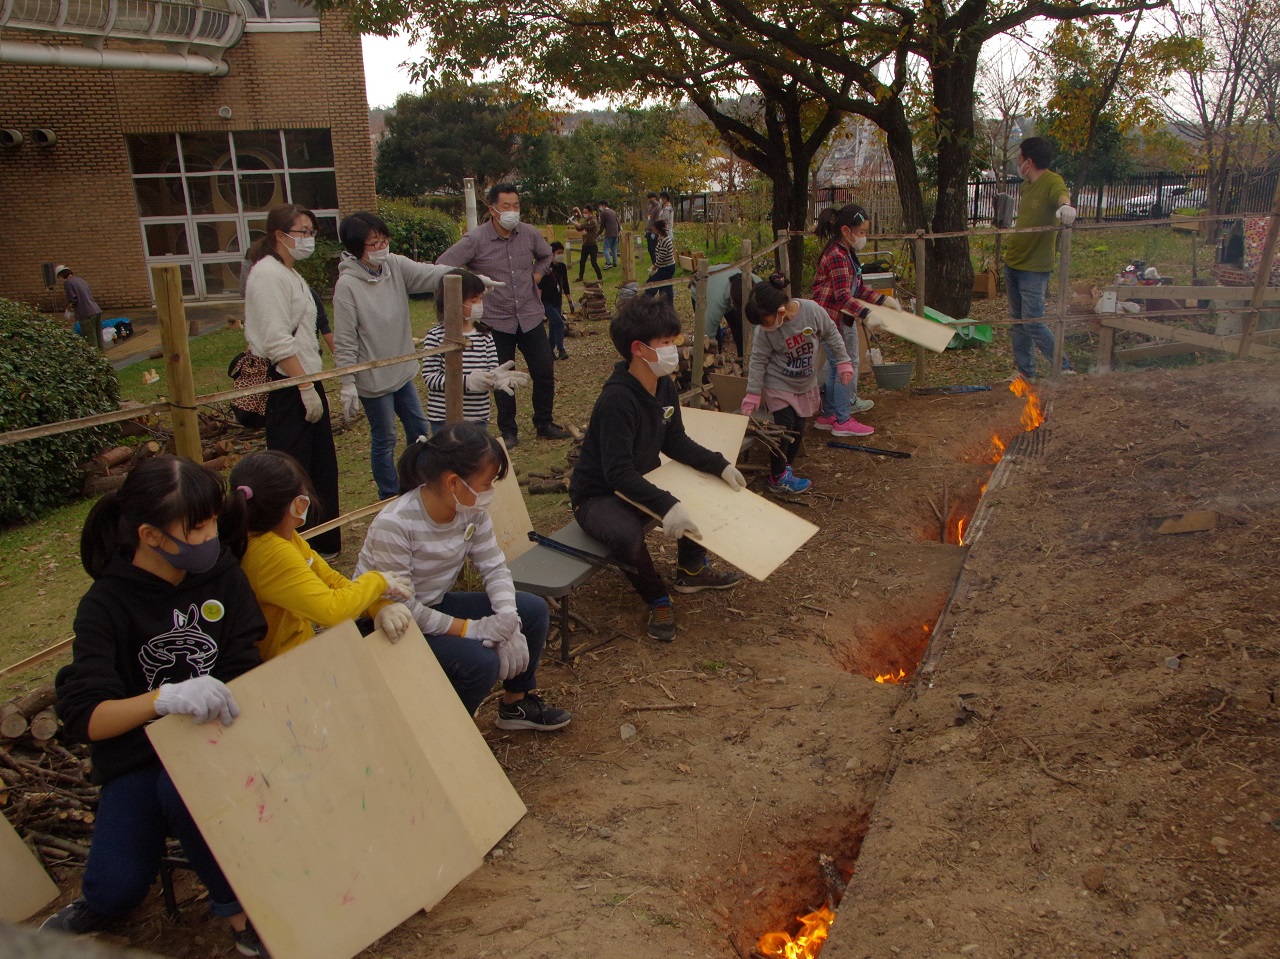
{"x": 824, "y": 422}
{"x": 851, "y": 427}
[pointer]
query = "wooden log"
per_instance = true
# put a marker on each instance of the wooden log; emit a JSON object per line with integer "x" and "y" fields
{"x": 42, "y": 697}
{"x": 220, "y": 463}
{"x": 12, "y": 723}
{"x": 44, "y": 725}
{"x": 44, "y": 839}
{"x": 97, "y": 485}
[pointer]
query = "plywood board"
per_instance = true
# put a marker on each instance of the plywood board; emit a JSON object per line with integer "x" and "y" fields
{"x": 477, "y": 788}
{"x": 729, "y": 389}
{"x": 329, "y": 820}
{"x": 717, "y": 431}
{"x": 510, "y": 515}
{"x": 926, "y": 333}
{"x": 732, "y": 524}
{"x": 25, "y": 888}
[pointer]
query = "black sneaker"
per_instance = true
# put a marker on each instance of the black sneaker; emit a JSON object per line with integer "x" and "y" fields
{"x": 248, "y": 943}
{"x": 76, "y": 918}
{"x": 532, "y": 713}
{"x": 512, "y": 440}
{"x": 553, "y": 432}
{"x": 662, "y": 622}
{"x": 708, "y": 577}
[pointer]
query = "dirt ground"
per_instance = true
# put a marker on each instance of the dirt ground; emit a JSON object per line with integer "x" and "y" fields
{"x": 1054, "y": 788}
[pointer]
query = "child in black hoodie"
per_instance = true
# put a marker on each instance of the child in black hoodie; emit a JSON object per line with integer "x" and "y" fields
{"x": 637, "y": 417}
{"x": 168, "y": 620}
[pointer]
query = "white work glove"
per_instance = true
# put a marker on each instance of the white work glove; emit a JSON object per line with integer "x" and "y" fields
{"x": 311, "y": 400}
{"x": 869, "y": 319}
{"x": 480, "y": 381}
{"x": 398, "y": 587}
{"x": 1066, "y": 214}
{"x": 678, "y": 522}
{"x": 490, "y": 284}
{"x": 493, "y": 630}
{"x": 734, "y": 478}
{"x": 203, "y": 698}
{"x": 393, "y": 620}
{"x": 67, "y": 314}
{"x": 513, "y": 656}
{"x": 350, "y": 401}
{"x": 507, "y": 378}
{"x": 892, "y": 303}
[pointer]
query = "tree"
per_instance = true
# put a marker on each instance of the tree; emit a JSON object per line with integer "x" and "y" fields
{"x": 454, "y": 131}
{"x": 1107, "y": 81}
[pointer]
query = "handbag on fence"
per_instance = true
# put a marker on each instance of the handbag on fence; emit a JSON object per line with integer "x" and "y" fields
{"x": 245, "y": 369}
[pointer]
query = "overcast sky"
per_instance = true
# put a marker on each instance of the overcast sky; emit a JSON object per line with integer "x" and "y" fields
{"x": 384, "y": 78}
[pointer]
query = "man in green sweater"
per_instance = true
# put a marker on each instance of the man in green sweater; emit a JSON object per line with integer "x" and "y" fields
{"x": 1043, "y": 199}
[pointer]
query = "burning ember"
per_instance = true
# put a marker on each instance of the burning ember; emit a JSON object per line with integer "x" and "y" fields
{"x": 997, "y": 448}
{"x": 890, "y": 678}
{"x": 1033, "y": 412}
{"x": 806, "y": 944}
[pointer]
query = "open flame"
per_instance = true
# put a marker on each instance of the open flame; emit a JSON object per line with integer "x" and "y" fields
{"x": 997, "y": 448}
{"x": 1033, "y": 412}
{"x": 890, "y": 678}
{"x": 960, "y": 531}
{"x": 806, "y": 944}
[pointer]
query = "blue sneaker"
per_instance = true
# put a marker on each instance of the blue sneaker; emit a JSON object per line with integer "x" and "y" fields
{"x": 789, "y": 483}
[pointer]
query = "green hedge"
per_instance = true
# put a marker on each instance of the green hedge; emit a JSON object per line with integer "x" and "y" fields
{"x": 416, "y": 231}
{"x": 48, "y": 374}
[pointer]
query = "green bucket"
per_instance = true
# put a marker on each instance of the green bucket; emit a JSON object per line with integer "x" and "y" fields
{"x": 967, "y": 335}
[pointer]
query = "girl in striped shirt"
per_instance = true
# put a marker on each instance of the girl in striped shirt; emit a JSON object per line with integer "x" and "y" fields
{"x": 480, "y": 370}
{"x": 664, "y": 262}
{"x": 426, "y": 536}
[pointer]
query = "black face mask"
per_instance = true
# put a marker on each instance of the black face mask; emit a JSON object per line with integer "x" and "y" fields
{"x": 197, "y": 558}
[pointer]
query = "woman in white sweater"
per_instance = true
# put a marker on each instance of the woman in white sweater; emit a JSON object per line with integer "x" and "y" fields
{"x": 280, "y": 326}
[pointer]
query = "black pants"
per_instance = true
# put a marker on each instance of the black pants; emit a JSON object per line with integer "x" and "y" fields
{"x": 536, "y": 350}
{"x": 311, "y": 444}
{"x": 788, "y": 419}
{"x": 621, "y": 526}
{"x": 651, "y": 241}
{"x": 589, "y": 250}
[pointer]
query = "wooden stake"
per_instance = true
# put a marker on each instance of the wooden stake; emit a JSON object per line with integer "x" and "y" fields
{"x": 784, "y": 258}
{"x": 699, "y": 326}
{"x": 167, "y": 282}
{"x": 1064, "y": 297}
{"x": 453, "y": 335}
{"x": 921, "y": 276}
{"x": 1264, "y": 276}
{"x": 744, "y": 281}
{"x": 628, "y": 257}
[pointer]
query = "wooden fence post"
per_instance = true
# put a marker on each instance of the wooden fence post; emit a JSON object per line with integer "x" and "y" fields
{"x": 1264, "y": 276}
{"x": 699, "y": 327}
{"x": 1064, "y": 297}
{"x": 167, "y": 282}
{"x": 745, "y": 286}
{"x": 453, "y": 361}
{"x": 921, "y": 276}
{"x": 628, "y": 257}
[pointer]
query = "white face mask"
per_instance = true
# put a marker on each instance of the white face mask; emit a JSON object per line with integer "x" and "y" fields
{"x": 859, "y": 242}
{"x": 482, "y": 499}
{"x": 667, "y": 362}
{"x": 306, "y": 507}
{"x": 558, "y": 258}
{"x": 477, "y": 312}
{"x": 378, "y": 257}
{"x": 303, "y": 246}
{"x": 509, "y": 219}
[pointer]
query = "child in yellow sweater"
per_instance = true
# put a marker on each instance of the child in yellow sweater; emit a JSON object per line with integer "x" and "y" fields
{"x": 296, "y": 589}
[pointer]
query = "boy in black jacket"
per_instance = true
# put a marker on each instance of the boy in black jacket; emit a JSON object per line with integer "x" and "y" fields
{"x": 636, "y": 417}
{"x": 550, "y": 286}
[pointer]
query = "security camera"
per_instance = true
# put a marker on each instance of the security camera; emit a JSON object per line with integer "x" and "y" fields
{"x": 10, "y": 138}
{"x": 224, "y": 112}
{"x": 43, "y": 137}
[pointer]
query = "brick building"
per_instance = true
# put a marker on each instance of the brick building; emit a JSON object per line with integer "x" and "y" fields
{"x": 147, "y": 164}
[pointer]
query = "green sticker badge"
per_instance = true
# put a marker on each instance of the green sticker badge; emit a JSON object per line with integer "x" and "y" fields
{"x": 212, "y": 610}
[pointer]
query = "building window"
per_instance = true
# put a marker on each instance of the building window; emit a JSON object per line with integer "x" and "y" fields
{"x": 276, "y": 16}
{"x": 203, "y": 197}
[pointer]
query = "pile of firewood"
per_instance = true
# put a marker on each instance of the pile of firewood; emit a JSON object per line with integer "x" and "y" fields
{"x": 44, "y": 790}
{"x": 592, "y": 304}
{"x": 555, "y": 479}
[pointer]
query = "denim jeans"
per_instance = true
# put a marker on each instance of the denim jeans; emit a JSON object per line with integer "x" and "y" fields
{"x": 610, "y": 251}
{"x": 471, "y": 666}
{"x": 1026, "y": 291}
{"x": 837, "y": 399}
{"x": 555, "y": 327}
{"x": 662, "y": 273}
{"x": 137, "y": 811}
{"x": 383, "y": 412}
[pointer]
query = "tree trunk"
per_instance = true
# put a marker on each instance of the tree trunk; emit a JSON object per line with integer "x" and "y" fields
{"x": 950, "y": 271}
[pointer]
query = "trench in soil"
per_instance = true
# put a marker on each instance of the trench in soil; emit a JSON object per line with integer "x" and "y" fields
{"x": 888, "y": 644}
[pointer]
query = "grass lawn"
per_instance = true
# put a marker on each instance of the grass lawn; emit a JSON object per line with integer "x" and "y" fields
{"x": 41, "y": 580}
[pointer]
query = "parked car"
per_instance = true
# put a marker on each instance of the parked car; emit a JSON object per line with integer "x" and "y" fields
{"x": 1151, "y": 205}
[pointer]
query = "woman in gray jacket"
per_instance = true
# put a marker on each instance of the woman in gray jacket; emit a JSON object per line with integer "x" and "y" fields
{"x": 371, "y": 322}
